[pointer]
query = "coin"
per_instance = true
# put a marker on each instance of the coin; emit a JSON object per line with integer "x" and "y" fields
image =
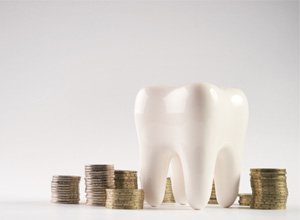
{"x": 269, "y": 188}
{"x": 245, "y": 199}
{"x": 98, "y": 177}
{"x": 65, "y": 177}
{"x": 126, "y": 179}
{"x": 213, "y": 197}
{"x": 65, "y": 189}
{"x": 168, "y": 197}
{"x": 124, "y": 198}
{"x": 268, "y": 170}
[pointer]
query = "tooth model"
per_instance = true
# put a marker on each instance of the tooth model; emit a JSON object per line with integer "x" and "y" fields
{"x": 199, "y": 129}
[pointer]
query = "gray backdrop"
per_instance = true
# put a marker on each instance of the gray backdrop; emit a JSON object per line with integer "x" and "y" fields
{"x": 69, "y": 73}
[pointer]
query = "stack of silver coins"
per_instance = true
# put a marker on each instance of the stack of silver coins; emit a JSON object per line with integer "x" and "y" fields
{"x": 98, "y": 178}
{"x": 65, "y": 189}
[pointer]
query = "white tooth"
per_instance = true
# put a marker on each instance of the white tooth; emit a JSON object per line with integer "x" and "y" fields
{"x": 199, "y": 127}
{"x": 227, "y": 175}
{"x": 153, "y": 173}
{"x": 177, "y": 180}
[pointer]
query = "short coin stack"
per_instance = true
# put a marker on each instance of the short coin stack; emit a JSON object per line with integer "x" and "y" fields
{"x": 126, "y": 179}
{"x": 124, "y": 198}
{"x": 245, "y": 199}
{"x": 213, "y": 197}
{"x": 98, "y": 178}
{"x": 269, "y": 188}
{"x": 65, "y": 189}
{"x": 168, "y": 198}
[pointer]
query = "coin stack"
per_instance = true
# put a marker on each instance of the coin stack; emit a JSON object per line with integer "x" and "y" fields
{"x": 168, "y": 198}
{"x": 269, "y": 188}
{"x": 213, "y": 197}
{"x": 98, "y": 178}
{"x": 245, "y": 199}
{"x": 124, "y": 198}
{"x": 65, "y": 189}
{"x": 126, "y": 179}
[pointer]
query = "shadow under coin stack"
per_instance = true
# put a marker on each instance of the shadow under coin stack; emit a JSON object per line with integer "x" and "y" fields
{"x": 65, "y": 189}
{"x": 245, "y": 199}
{"x": 98, "y": 178}
{"x": 269, "y": 188}
{"x": 124, "y": 198}
{"x": 126, "y": 179}
{"x": 169, "y": 197}
{"x": 213, "y": 197}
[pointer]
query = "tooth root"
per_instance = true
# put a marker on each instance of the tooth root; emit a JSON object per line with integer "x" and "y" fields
{"x": 177, "y": 180}
{"x": 227, "y": 175}
{"x": 153, "y": 173}
{"x": 198, "y": 168}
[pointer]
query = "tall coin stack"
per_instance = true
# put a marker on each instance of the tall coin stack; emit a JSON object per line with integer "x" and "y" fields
{"x": 65, "y": 189}
{"x": 124, "y": 198}
{"x": 269, "y": 188}
{"x": 98, "y": 178}
{"x": 245, "y": 199}
{"x": 213, "y": 197}
{"x": 126, "y": 179}
{"x": 169, "y": 197}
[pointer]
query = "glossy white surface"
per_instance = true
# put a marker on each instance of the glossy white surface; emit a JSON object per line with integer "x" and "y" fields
{"x": 45, "y": 210}
{"x": 201, "y": 129}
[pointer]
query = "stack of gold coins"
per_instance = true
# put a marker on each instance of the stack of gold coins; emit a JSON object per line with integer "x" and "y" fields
{"x": 245, "y": 199}
{"x": 269, "y": 188}
{"x": 124, "y": 198}
{"x": 98, "y": 178}
{"x": 65, "y": 189}
{"x": 213, "y": 197}
{"x": 126, "y": 179}
{"x": 168, "y": 198}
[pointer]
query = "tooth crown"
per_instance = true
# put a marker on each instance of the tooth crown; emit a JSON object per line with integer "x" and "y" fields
{"x": 200, "y": 129}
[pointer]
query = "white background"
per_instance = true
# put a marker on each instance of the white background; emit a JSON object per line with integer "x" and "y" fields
{"x": 69, "y": 73}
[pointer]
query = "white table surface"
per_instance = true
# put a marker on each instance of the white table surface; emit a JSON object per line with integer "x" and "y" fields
{"x": 46, "y": 210}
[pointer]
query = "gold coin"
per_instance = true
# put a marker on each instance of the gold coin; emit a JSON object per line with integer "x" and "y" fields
{"x": 268, "y": 170}
{"x": 213, "y": 197}
{"x": 168, "y": 197}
